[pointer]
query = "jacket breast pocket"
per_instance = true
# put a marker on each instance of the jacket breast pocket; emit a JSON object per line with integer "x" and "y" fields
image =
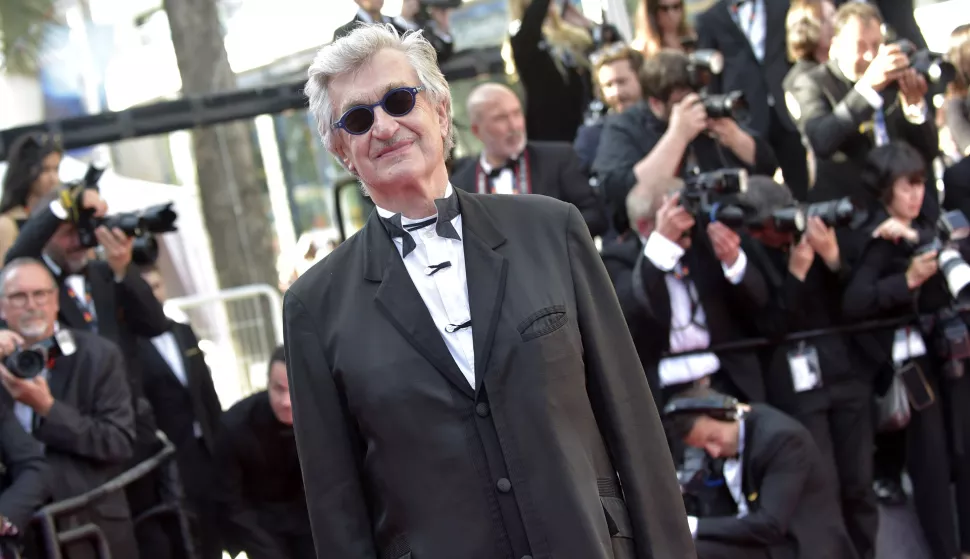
{"x": 621, "y": 530}
{"x": 543, "y": 322}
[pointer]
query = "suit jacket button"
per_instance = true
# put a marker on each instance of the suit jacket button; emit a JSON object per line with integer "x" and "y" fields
{"x": 481, "y": 409}
{"x": 526, "y": 557}
{"x": 504, "y": 485}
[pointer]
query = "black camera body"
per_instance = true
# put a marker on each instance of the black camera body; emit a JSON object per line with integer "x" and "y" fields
{"x": 702, "y": 66}
{"x": 152, "y": 220}
{"x": 931, "y": 65}
{"x": 833, "y": 213}
{"x": 28, "y": 362}
{"x": 715, "y": 196}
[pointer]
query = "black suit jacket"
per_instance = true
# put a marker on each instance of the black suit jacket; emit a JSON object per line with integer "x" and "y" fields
{"x": 836, "y": 121}
{"x": 725, "y": 305}
{"x": 177, "y": 406}
{"x": 716, "y": 29}
{"x": 25, "y": 477}
{"x": 792, "y": 504}
{"x": 554, "y": 170}
{"x": 419, "y": 462}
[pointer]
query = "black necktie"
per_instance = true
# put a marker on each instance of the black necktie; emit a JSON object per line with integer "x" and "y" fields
{"x": 447, "y": 210}
{"x": 511, "y": 164}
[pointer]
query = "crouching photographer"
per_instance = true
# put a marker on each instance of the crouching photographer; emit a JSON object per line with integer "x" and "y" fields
{"x": 772, "y": 475}
{"x": 677, "y": 130}
{"x": 906, "y": 270}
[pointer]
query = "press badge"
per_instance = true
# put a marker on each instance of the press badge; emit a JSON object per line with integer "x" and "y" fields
{"x": 806, "y": 373}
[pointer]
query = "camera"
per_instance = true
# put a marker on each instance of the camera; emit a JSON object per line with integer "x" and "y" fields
{"x": 833, "y": 213}
{"x": 28, "y": 362}
{"x": 154, "y": 219}
{"x": 731, "y": 105}
{"x": 702, "y": 66}
{"x": 951, "y": 227}
{"x": 714, "y": 196}
{"x": 931, "y": 65}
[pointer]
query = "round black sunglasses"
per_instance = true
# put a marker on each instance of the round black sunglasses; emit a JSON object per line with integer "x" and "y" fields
{"x": 396, "y": 102}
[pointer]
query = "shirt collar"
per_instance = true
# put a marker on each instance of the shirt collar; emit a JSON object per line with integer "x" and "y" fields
{"x": 741, "y": 439}
{"x": 488, "y": 168}
{"x": 387, "y": 214}
{"x": 51, "y": 264}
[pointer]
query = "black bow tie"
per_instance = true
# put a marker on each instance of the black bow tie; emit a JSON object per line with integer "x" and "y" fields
{"x": 511, "y": 165}
{"x": 447, "y": 210}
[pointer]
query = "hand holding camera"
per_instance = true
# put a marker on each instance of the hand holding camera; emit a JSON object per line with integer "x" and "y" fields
{"x": 886, "y": 67}
{"x": 823, "y": 241}
{"x": 912, "y": 87}
{"x": 673, "y": 220}
{"x": 33, "y": 391}
{"x": 727, "y": 243}
{"x": 117, "y": 248}
{"x": 688, "y": 118}
{"x": 801, "y": 258}
{"x": 921, "y": 268}
{"x": 894, "y": 230}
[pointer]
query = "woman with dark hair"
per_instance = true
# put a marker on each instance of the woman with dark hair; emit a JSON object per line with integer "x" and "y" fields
{"x": 661, "y": 24}
{"x": 32, "y": 169}
{"x": 898, "y": 275}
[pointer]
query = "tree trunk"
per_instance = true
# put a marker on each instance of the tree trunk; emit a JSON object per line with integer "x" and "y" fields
{"x": 235, "y": 202}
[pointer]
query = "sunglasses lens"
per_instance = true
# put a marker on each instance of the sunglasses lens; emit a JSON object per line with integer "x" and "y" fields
{"x": 399, "y": 103}
{"x": 359, "y": 120}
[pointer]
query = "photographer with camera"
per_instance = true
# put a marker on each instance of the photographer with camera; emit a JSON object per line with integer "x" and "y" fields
{"x": 68, "y": 389}
{"x": 685, "y": 286}
{"x": 899, "y": 273}
{"x": 863, "y": 97}
{"x": 775, "y": 474}
{"x": 675, "y": 131}
{"x": 815, "y": 381}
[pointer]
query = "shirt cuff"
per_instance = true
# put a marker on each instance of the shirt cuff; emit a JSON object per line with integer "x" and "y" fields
{"x": 870, "y": 95}
{"x": 915, "y": 114}
{"x": 662, "y": 252}
{"x": 735, "y": 273}
{"x": 692, "y": 524}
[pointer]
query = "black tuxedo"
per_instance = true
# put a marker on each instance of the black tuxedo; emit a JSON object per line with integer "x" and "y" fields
{"x": 725, "y": 306}
{"x": 792, "y": 509}
{"x": 526, "y": 462}
{"x": 88, "y": 434}
{"x": 837, "y": 122}
{"x": 178, "y": 408}
{"x": 554, "y": 170}
{"x": 25, "y": 481}
{"x": 260, "y": 486}
{"x": 346, "y": 28}
{"x": 760, "y": 80}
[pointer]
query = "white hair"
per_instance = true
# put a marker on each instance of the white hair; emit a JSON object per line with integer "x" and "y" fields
{"x": 640, "y": 206}
{"x": 349, "y": 53}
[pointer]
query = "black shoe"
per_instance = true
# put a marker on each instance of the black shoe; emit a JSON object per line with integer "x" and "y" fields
{"x": 889, "y": 492}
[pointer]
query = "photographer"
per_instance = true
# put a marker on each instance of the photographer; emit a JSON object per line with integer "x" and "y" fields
{"x": 864, "y": 96}
{"x": 670, "y": 134}
{"x": 775, "y": 474}
{"x": 432, "y": 19}
{"x": 815, "y": 381}
{"x": 685, "y": 287}
{"x": 78, "y": 404}
{"x": 898, "y": 275}
{"x": 25, "y": 483}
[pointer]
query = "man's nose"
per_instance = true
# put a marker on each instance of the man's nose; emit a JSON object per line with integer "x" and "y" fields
{"x": 385, "y": 125}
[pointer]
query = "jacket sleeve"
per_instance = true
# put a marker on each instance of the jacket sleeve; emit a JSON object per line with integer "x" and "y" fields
{"x": 107, "y": 432}
{"x": 577, "y": 191}
{"x": 622, "y": 146}
{"x": 871, "y": 291}
{"x": 827, "y": 128}
{"x": 141, "y": 311}
{"x": 326, "y": 440}
{"x": 34, "y": 234}
{"x": 624, "y": 408}
{"x": 23, "y": 457}
{"x": 786, "y": 470}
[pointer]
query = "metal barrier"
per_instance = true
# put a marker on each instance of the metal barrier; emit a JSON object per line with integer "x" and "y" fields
{"x": 238, "y": 329}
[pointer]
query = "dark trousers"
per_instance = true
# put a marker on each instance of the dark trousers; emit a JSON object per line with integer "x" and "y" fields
{"x": 791, "y": 155}
{"x": 844, "y": 433}
{"x": 707, "y": 549}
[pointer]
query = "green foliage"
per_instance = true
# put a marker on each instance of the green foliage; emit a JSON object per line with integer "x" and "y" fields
{"x": 23, "y": 24}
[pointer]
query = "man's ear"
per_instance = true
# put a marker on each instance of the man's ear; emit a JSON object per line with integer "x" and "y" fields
{"x": 340, "y": 152}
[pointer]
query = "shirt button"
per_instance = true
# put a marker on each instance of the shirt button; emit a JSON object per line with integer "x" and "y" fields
{"x": 482, "y": 409}
{"x": 429, "y": 234}
{"x": 504, "y": 485}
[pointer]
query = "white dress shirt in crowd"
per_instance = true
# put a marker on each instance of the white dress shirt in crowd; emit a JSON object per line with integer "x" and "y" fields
{"x": 504, "y": 183}
{"x": 687, "y": 332}
{"x": 445, "y": 293}
{"x": 750, "y": 17}
{"x": 168, "y": 348}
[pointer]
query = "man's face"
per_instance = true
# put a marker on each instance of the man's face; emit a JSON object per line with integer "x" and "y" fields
{"x": 279, "y": 393}
{"x": 154, "y": 280}
{"x": 619, "y": 85}
{"x": 65, "y": 249}
{"x": 500, "y": 125}
{"x": 29, "y": 303}
{"x": 719, "y": 439}
{"x": 394, "y": 150}
{"x": 856, "y": 45}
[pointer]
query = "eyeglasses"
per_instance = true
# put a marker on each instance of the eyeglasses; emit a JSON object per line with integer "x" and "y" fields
{"x": 664, "y": 8}
{"x": 396, "y": 102}
{"x": 40, "y": 296}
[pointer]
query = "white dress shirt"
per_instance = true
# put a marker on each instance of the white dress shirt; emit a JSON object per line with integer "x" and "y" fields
{"x": 168, "y": 348}
{"x": 687, "y": 332}
{"x": 750, "y": 17}
{"x": 77, "y": 283}
{"x": 445, "y": 293}
{"x": 504, "y": 183}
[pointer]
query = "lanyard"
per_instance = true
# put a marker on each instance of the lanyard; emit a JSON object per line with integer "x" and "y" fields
{"x": 521, "y": 186}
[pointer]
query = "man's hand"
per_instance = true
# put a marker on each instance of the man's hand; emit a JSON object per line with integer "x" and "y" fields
{"x": 800, "y": 261}
{"x": 893, "y": 230}
{"x": 912, "y": 87}
{"x": 885, "y": 68}
{"x": 7, "y": 528}
{"x": 823, "y": 241}
{"x": 921, "y": 268}
{"x": 33, "y": 392}
{"x": 688, "y": 118}
{"x": 9, "y": 342}
{"x": 91, "y": 200}
{"x": 727, "y": 243}
{"x": 673, "y": 221}
{"x": 724, "y": 130}
{"x": 117, "y": 249}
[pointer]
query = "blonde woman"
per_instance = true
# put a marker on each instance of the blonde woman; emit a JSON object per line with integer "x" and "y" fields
{"x": 661, "y": 24}
{"x": 550, "y": 42}
{"x": 957, "y": 107}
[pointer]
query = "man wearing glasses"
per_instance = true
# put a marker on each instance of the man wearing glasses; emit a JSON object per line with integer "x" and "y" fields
{"x": 78, "y": 406}
{"x": 463, "y": 383}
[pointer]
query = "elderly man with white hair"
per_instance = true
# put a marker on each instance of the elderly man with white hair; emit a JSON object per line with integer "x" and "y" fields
{"x": 463, "y": 383}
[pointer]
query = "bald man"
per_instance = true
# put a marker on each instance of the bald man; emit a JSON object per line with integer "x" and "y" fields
{"x": 510, "y": 164}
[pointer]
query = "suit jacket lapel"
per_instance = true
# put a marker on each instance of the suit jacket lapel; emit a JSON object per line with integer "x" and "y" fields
{"x": 731, "y": 25}
{"x": 486, "y": 271}
{"x": 58, "y": 376}
{"x": 400, "y": 301}
{"x": 536, "y": 186}
{"x": 747, "y": 482}
{"x": 100, "y": 288}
